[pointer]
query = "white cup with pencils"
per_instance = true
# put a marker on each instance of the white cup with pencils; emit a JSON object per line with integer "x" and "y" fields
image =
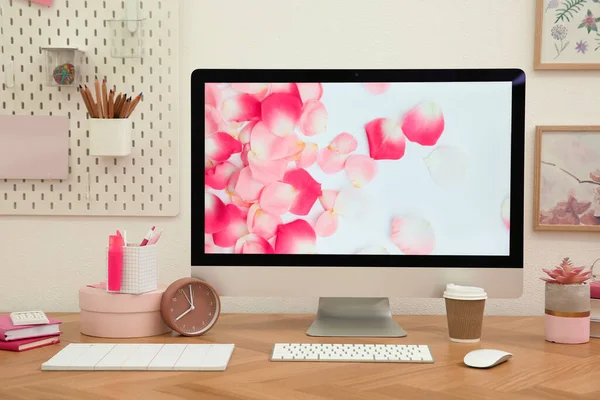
{"x": 110, "y": 124}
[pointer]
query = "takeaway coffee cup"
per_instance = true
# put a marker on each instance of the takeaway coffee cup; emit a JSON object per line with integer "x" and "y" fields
{"x": 464, "y": 310}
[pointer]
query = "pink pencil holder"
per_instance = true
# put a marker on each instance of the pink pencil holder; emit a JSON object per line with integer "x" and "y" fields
{"x": 140, "y": 269}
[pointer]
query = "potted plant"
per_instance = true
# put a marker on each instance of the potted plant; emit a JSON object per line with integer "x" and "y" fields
{"x": 567, "y": 314}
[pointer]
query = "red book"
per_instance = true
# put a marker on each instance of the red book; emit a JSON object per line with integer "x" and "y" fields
{"x": 10, "y": 332}
{"x": 28, "y": 344}
{"x": 595, "y": 290}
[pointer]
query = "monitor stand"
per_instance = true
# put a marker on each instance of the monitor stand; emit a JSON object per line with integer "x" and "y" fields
{"x": 355, "y": 317}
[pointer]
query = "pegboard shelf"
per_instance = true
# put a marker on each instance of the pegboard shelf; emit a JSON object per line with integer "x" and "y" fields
{"x": 126, "y": 37}
{"x": 146, "y": 181}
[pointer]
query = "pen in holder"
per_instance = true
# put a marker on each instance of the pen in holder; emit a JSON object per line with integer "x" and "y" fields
{"x": 139, "y": 271}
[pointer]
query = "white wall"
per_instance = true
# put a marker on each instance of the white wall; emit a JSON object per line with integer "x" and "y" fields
{"x": 44, "y": 261}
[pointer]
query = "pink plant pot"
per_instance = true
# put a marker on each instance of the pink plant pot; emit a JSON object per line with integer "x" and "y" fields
{"x": 567, "y": 313}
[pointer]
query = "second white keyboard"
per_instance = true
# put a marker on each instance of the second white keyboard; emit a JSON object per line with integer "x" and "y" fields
{"x": 398, "y": 353}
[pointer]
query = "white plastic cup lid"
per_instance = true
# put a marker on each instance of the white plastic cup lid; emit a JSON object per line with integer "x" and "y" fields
{"x": 457, "y": 292}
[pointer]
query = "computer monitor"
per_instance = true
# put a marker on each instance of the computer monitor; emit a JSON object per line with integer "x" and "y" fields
{"x": 355, "y": 186}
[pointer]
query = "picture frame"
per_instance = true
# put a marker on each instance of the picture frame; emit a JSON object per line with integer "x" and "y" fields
{"x": 567, "y": 35}
{"x": 567, "y": 178}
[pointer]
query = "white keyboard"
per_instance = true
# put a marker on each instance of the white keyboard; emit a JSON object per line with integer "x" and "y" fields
{"x": 140, "y": 357}
{"x": 397, "y": 353}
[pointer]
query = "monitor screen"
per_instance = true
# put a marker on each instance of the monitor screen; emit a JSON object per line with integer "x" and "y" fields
{"x": 362, "y": 168}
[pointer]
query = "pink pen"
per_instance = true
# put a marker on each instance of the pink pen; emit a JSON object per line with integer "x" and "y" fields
{"x": 115, "y": 261}
{"x": 155, "y": 238}
{"x": 148, "y": 237}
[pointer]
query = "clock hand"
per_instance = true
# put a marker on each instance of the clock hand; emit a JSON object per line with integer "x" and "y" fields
{"x": 186, "y": 297}
{"x": 184, "y": 313}
{"x": 192, "y": 297}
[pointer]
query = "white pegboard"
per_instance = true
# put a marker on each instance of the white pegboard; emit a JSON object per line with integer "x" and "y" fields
{"x": 147, "y": 181}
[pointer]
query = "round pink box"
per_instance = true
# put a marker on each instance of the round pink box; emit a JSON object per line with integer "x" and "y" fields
{"x": 117, "y": 315}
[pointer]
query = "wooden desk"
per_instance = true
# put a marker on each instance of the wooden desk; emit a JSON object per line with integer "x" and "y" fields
{"x": 538, "y": 370}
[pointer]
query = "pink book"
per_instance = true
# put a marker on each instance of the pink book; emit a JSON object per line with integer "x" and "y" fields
{"x": 9, "y": 332}
{"x": 28, "y": 344}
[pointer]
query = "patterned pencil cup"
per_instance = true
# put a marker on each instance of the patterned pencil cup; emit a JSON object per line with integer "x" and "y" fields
{"x": 110, "y": 137}
{"x": 140, "y": 269}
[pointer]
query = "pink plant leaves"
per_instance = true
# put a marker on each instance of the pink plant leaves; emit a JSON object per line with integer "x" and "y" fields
{"x": 262, "y": 223}
{"x": 505, "y": 213}
{"x": 220, "y": 146}
{"x": 240, "y": 108}
{"x": 424, "y": 124}
{"x": 308, "y": 156}
{"x": 332, "y": 158}
{"x": 277, "y": 198}
{"x": 216, "y": 217}
{"x": 413, "y": 235}
{"x": 218, "y": 177}
{"x": 314, "y": 118}
{"x": 310, "y": 91}
{"x": 253, "y": 244}
{"x": 386, "y": 140}
{"x": 296, "y": 237}
{"x": 307, "y": 190}
{"x": 236, "y": 228}
{"x": 360, "y": 169}
{"x": 327, "y": 224}
{"x": 327, "y": 199}
{"x": 377, "y": 87}
{"x": 447, "y": 166}
{"x": 281, "y": 112}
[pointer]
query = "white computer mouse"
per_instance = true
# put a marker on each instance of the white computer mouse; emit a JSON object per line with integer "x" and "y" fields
{"x": 486, "y": 358}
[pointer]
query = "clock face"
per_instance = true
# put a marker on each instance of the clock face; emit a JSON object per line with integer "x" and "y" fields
{"x": 192, "y": 308}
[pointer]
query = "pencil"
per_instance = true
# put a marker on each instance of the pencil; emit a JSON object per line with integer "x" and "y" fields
{"x": 119, "y": 104}
{"x": 111, "y": 104}
{"x": 105, "y": 99}
{"x": 125, "y": 108}
{"x": 90, "y": 98}
{"x": 85, "y": 100}
{"x": 98, "y": 98}
{"x": 134, "y": 104}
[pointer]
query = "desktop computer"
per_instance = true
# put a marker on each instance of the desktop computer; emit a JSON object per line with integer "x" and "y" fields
{"x": 355, "y": 186}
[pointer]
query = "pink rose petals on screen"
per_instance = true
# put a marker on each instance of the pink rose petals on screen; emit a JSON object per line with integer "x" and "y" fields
{"x": 218, "y": 177}
{"x": 245, "y": 186}
{"x": 220, "y": 146}
{"x": 505, "y": 213}
{"x": 258, "y": 90}
{"x": 307, "y": 190}
{"x": 268, "y": 146}
{"x": 310, "y": 91}
{"x": 386, "y": 140}
{"x": 327, "y": 224}
{"x": 327, "y": 199}
{"x": 286, "y": 88}
{"x": 277, "y": 198}
{"x": 413, "y": 235}
{"x": 252, "y": 244}
{"x": 360, "y": 169}
{"x": 240, "y": 108}
{"x": 244, "y": 136}
{"x": 308, "y": 156}
{"x": 216, "y": 217}
{"x": 212, "y": 96}
{"x": 332, "y": 158}
{"x": 314, "y": 118}
{"x": 281, "y": 112}
{"x": 447, "y": 165}
{"x": 236, "y": 228}
{"x": 377, "y": 87}
{"x": 266, "y": 171}
{"x": 261, "y": 222}
{"x": 296, "y": 237}
{"x": 424, "y": 124}
{"x": 212, "y": 120}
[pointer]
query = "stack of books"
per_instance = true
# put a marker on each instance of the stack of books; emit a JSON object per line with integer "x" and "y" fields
{"x": 27, "y": 337}
{"x": 595, "y": 309}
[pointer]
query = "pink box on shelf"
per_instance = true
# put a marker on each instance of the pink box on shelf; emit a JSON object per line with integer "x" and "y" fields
{"x": 595, "y": 290}
{"x": 114, "y": 315}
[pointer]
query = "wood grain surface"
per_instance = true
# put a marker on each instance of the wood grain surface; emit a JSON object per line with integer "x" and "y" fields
{"x": 538, "y": 370}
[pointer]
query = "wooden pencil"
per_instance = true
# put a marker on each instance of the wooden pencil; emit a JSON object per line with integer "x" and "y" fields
{"x": 120, "y": 107}
{"x": 88, "y": 94}
{"x": 125, "y": 108}
{"x": 105, "y": 98}
{"x": 85, "y": 101}
{"x": 98, "y": 98}
{"x": 111, "y": 104}
{"x": 134, "y": 104}
{"x": 117, "y": 102}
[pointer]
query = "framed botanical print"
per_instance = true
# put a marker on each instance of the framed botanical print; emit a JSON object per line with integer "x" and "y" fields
{"x": 567, "y": 34}
{"x": 567, "y": 178}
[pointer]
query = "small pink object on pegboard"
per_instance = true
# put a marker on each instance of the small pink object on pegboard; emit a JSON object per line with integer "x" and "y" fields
{"x": 595, "y": 290}
{"x": 44, "y": 2}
